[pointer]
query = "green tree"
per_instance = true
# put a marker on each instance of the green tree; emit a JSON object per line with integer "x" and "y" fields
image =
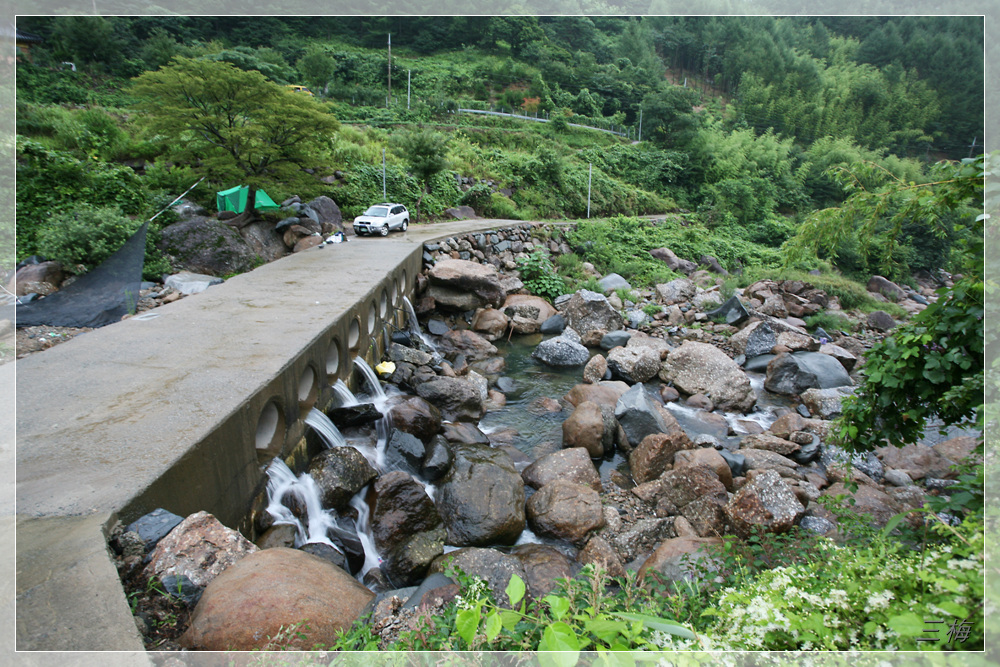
{"x": 234, "y": 125}
{"x": 425, "y": 153}
{"x": 317, "y": 67}
{"x": 932, "y": 367}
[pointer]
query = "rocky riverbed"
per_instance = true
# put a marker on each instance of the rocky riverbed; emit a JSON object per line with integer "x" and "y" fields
{"x": 646, "y": 438}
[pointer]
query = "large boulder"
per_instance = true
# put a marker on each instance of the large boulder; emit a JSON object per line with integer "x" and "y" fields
{"x": 43, "y": 278}
{"x": 456, "y": 398}
{"x": 543, "y": 565}
{"x": 562, "y": 350}
{"x": 453, "y": 277}
{"x": 490, "y": 322}
{"x": 481, "y": 499}
{"x": 407, "y": 528}
{"x": 677, "y": 291}
{"x": 262, "y": 238}
{"x": 700, "y": 368}
{"x": 416, "y": 417}
{"x": 327, "y": 212}
{"x": 339, "y": 474}
{"x": 571, "y": 464}
{"x": 205, "y": 245}
{"x": 565, "y": 510}
{"x": 606, "y": 392}
{"x": 468, "y": 343}
{"x": 825, "y": 403}
{"x": 587, "y": 312}
{"x": 527, "y": 313}
{"x": 706, "y": 456}
{"x": 585, "y": 428}
{"x": 633, "y": 363}
{"x": 880, "y": 320}
{"x": 764, "y": 503}
{"x": 253, "y": 601}
{"x": 792, "y": 374}
{"x": 887, "y": 288}
{"x": 199, "y": 548}
{"x": 673, "y": 262}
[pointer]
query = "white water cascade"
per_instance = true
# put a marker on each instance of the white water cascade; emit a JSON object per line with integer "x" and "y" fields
{"x": 372, "y": 559}
{"x": 282, "y": 481}
{"x": 371, "y": 380}
{"x": 332, "y": 437}
{"x": 414, "y": 326}
{"x": 344, "y": 395}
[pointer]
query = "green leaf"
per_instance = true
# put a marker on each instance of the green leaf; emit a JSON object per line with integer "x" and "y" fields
{"x": 892, "y": 523}
{"x": 493, "y": 625}
{"x": 509, "y": 619}
{"x": 466, "y": 624}
{"x": 558, "y": 605}
{"x": 953, "y": 608}
{"x": 604, "y": 629}
{"x": 907, "y": 625}
{"x": 560, "y": 637}
{"x": 661, "y": 624}
{"x": 515, "y": 589}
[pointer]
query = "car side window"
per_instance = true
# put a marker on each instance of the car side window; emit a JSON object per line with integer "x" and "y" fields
{"x": 397, "y": 210}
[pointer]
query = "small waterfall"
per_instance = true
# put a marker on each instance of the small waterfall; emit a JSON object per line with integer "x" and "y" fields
{"x": 332, "y": 437}
{"x": 326, "y": 429}
{"x": 374, "y": 386}
{"x": 414, "y": 326}
{"x": 372, "y": 559}
{"x": 527, "y": 537}
{"x": 282, "y": 481}
{"x": 344, "y": 395}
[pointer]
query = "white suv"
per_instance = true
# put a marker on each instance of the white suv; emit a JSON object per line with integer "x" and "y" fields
{"x": 381, "y": 218}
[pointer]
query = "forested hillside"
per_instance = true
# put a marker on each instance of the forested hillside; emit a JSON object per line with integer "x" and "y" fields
{"x": 743, "y": 122}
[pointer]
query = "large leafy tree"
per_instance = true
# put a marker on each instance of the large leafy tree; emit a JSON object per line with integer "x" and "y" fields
{"x": 425, "y": 153}
{"x": 933, "y": 367}
{"x": 234, "y": 126}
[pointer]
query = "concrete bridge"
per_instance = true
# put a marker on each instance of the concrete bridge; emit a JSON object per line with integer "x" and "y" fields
{"x": 180, "y": 411}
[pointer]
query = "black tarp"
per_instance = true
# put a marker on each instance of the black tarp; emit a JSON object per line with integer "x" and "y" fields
{"x": 97, "y": 298}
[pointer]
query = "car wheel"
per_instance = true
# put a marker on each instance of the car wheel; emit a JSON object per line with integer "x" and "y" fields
{"x": 405, "y": 223}
{"x": 384, "y": 231}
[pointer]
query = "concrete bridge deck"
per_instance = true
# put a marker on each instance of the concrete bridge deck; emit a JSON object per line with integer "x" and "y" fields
{"x": 162, "y": 408}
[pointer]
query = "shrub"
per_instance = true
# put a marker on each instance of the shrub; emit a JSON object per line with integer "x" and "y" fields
{"x": 539, "y": 275}
{"x": 85, "y": 236}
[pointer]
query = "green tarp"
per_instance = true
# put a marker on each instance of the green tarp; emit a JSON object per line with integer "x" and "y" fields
{"x": 235, "y": 199}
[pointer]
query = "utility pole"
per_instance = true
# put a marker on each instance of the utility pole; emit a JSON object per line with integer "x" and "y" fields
{"x": 590, "y": 177}
{"x": 389, "y": 98}
{"x": 972, "y": 148}
{"x": 407, "y": 90}
{"x": 640, "y": 125}
{"x": 383, "y": 174}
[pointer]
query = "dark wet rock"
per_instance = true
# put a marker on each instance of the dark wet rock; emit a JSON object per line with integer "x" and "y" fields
{"x": 754, "y": 339}
{"x": 758, "y": 364}
{"x": 737, "y": 462}
{"x": 404, "y": 452}
{"x": 554, "y": 324}
{"x": 416, "y": 417}
{"x": 482, "y": 498}
{"x": 731, "y": 312}
{"x": 764, "y": 503}
{"x": 465, "y": 433}
{"x": 437, "y": 327}
{"x": 407, "y": 528}
{"x": 208, "y": 246}
{"x": 326, "y": 552}
{"x": 792, "y": 374}
{"x": 565, "y": 510}
{"x": 572, "y": 464}
{"x": 340, "y": 473}
{"x": 398, "y": 353}
{"x": 354, "y": 415}
{"x": 454, "y": 397}
{"x": 614, "y": 339}
{"x": 438, "y": 458}
{"x": 638, "y": 415}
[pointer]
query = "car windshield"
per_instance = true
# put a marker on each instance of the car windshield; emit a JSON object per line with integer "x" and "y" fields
{"x": 377, "y": 211}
